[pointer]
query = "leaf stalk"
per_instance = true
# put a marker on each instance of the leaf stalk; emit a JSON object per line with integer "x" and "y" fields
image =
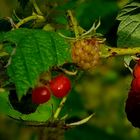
{"x": 107, "y": 51}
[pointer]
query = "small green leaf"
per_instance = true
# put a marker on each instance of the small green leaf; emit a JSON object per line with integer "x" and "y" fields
{"x": 5, "y": 106}
{"x": 36, "y": 52}
{"x": 42, "y": 114}
{"x": 129, "y": 28}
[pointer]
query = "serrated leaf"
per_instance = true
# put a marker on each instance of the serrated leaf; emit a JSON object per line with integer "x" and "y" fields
{"x": 36, "y": 52}
{"x": 129, "y": 28}
{"x": 129, "y": 9}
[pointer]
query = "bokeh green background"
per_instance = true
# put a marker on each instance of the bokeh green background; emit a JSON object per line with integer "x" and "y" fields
{"x": 103, "y": 90}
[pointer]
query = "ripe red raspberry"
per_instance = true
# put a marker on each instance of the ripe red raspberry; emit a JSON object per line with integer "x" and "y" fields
{"x": 85, "y": 52}
{"x": 132, "y": 108}
{"x": 136, "y": 70}
{"x": 135, "y": 85}
{"x": 60, "y": 86}
{"x": 133, "y": 101}
{"x": 40, "y": 95}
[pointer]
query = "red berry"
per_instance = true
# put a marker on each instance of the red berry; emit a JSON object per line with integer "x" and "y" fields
{"x": 135, "y": 85}
{"x": 40, "y": 95}
{"x": 136, "y": 70}
{"x": 60, "y": 86}
{"x": 133, "y": 101}
{"x": 132, "y": 108}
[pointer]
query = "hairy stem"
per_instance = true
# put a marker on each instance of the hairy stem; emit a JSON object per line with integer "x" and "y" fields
{"x": 56, "y": 114}
{"x": 27, "y": 19}
{"x": 107, "y": 51}
{"x": 73, "y": 23}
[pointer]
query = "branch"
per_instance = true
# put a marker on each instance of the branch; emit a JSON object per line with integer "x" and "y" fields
{"x": 107, "y": 51}
{"x": 27, "y": 19}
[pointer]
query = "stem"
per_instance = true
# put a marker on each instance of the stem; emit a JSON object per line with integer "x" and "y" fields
{"x": 36, "y": 7}
{"x": 27, "y": 19}
{"x": 107, "y": 51}
{"x": 73, "y": 23}
{"x": 56, "y": 114}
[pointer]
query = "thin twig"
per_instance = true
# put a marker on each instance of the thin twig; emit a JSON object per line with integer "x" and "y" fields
{"x": 73, "y": 23}
{"x": 27, "y": 19}
{"x": 56, "y": 114}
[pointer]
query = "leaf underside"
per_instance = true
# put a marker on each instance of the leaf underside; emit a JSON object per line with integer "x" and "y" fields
{"x": 129, "y": 28}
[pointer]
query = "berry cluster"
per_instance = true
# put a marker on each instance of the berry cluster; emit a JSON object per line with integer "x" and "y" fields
{"x": 133, "y": 101}
{"x": 59, "y": 86}
{"x": 85, "y": 52}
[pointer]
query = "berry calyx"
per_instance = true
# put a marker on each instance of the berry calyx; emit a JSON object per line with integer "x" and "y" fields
{"x": 60, "y": 86}
{"x": 40, "y": 95}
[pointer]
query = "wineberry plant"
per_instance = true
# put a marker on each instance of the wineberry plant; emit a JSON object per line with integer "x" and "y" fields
{"x": 42, "y": 58}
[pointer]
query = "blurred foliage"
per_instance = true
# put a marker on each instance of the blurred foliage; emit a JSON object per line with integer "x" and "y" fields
{"x": 103, "y": 90}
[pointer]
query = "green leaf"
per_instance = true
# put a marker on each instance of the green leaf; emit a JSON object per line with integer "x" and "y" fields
{"x": 131, "y": 8}
{"x": 42, "y": 114}
{"x": 36, "y": 52}
{"x": 129, "y": 28}
{"x": 4, "y": 102}
{"x": 5, "y": 106}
